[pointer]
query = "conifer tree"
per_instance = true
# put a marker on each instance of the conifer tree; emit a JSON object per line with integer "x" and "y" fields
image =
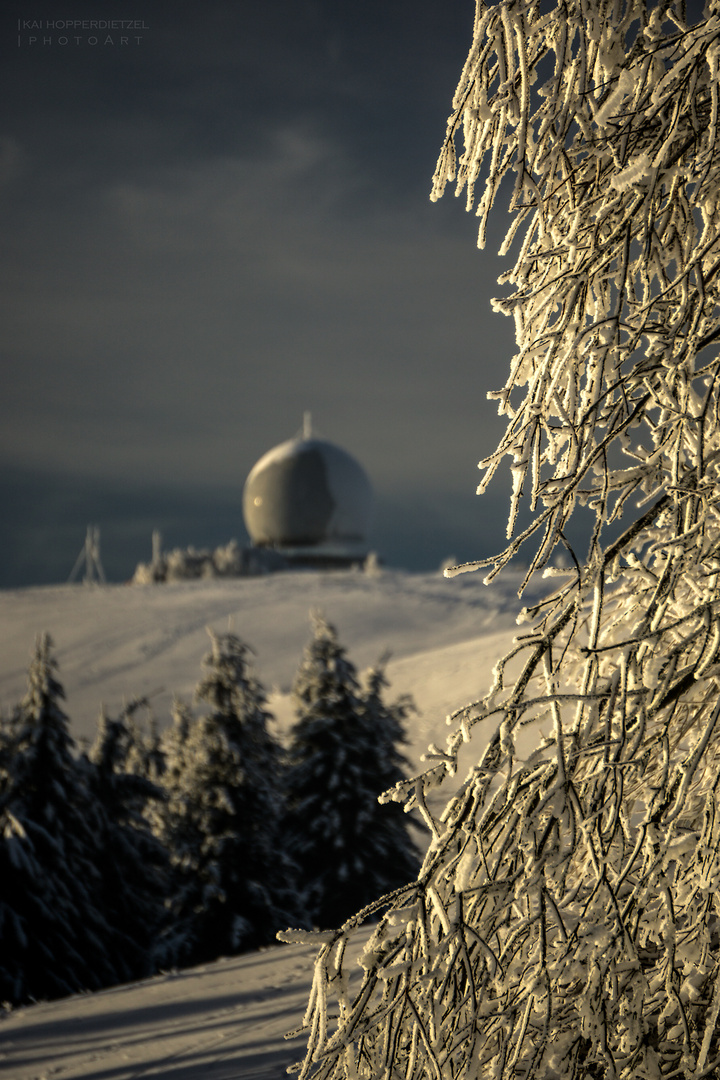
{"x": 134, "y": 865}
{"x": 174, "y": 747}
{"x": 342, "y": 756}
{"x": 55, "y": 939}
{"x": 222, "y": 820}
{"x": 565, "y": 924}
{"x": 143, "y": 749}
{"x": 395, "y": 859}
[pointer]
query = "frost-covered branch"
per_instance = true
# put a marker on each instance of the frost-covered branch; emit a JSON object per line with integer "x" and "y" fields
{"x": 565, "y": 921}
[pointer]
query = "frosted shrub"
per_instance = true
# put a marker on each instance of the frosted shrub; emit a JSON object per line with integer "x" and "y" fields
{"x": 565, "y": 920}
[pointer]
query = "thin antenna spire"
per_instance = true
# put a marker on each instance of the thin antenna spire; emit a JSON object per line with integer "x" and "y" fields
{"x": 307, "y": 425}
{"x": 156, "y": 547}
{"x": 90, "y": 558}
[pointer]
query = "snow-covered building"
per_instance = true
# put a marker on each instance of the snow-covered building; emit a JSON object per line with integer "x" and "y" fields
{"x": 310, "y": 501}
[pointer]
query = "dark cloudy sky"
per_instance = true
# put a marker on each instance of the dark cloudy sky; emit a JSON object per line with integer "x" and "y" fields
{"x": 211, "y": 229}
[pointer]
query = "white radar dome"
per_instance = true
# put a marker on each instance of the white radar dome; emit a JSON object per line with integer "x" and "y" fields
{"x": 309, "y": 496}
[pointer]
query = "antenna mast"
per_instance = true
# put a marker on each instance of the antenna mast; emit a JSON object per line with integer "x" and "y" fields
{"x": 90, "y": 558}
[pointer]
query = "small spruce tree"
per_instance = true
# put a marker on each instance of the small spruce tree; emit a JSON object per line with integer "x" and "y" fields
{"x": 342, "y": 756}
{"x": 222, "y": 818}
{"x": 134, "y": 865}
{"x": 395, "y": 857}
{"x": 54, "y": 939}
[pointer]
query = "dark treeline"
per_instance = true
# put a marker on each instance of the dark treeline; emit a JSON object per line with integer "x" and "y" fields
{"x": 150, "y": 851}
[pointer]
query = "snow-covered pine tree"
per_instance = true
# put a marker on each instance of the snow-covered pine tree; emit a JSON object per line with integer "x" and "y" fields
{"x": 174, "y": 741}
{"x": 54, "y": 938}
{"x": 565, "y": 922}
{"x": 134, "y": 865}
{"x": 342, "y": 755}
{"x": 395, "y": 858}
{"x": 182, "y": 823}
{"x": 144, "y": 754}
{"x": 223, "y": 813}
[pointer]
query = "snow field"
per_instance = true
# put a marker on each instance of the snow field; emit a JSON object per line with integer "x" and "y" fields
{"x": 115, "y": 643}
{"x": 228, "y": 1019}
{"x": 220, "y": 1021}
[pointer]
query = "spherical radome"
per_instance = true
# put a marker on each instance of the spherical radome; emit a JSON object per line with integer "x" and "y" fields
{"x": 308, "y": 493}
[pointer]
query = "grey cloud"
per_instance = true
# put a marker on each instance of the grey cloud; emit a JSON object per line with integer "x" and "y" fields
{"x": 187, "y": 296}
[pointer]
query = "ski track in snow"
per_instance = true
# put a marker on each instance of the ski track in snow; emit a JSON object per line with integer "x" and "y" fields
{"x": 227, "y": 1020}
{"x": 220, "y": 1021}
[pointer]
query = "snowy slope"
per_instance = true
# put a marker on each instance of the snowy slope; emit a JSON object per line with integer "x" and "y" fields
{"x": 118, "y": 642}
{"x": 227, "y": 1020}
{"x": 221, "y": 1021}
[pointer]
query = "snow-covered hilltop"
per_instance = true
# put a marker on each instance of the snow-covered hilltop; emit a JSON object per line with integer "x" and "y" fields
{"x": 118, "y": 642}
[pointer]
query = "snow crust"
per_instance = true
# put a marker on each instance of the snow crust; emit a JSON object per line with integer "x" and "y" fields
{"x": 221, "y": 1021}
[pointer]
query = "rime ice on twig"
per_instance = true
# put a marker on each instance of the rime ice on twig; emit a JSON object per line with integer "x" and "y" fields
{"x": 565, "y": 920}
